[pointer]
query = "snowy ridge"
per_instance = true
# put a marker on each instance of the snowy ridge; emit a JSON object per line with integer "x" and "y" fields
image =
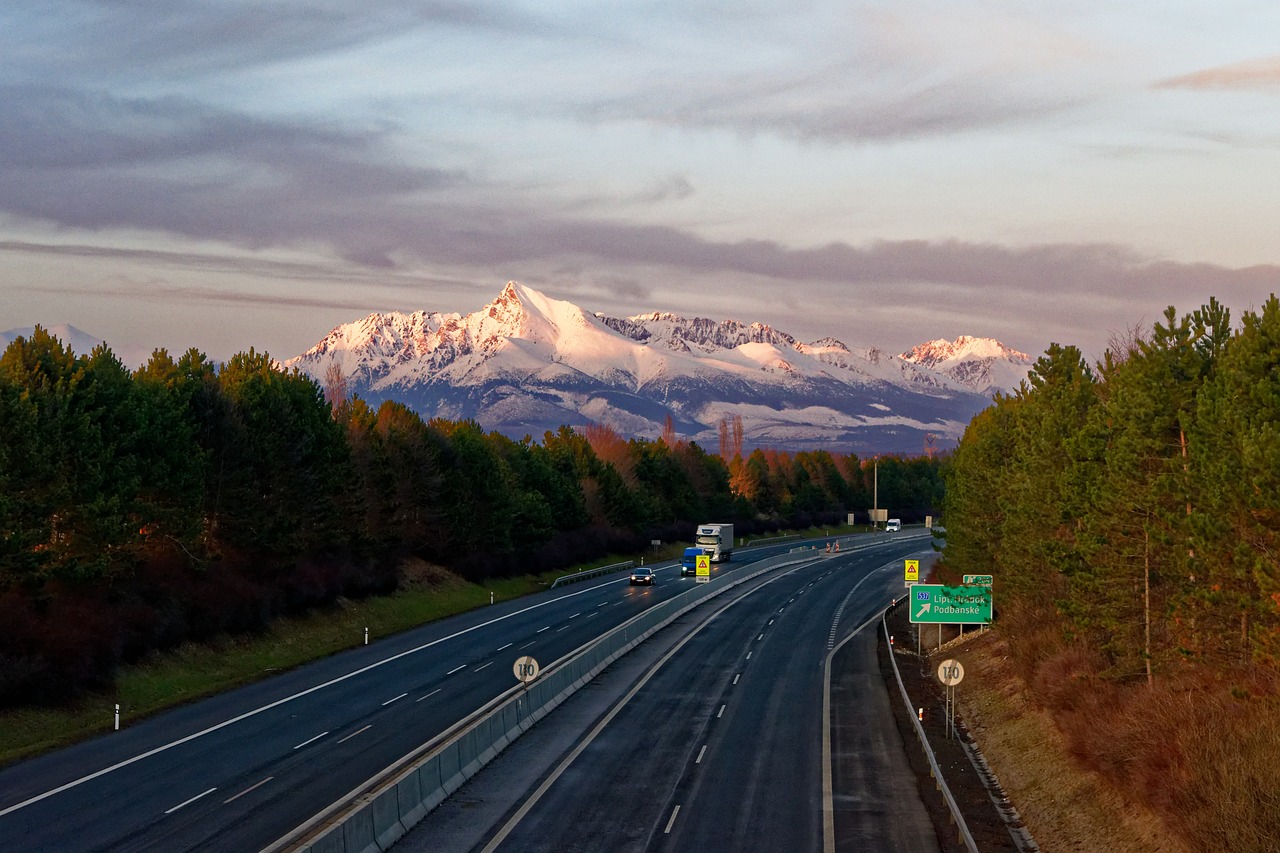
{"x": 526, "y": 363}
{"x": 981, "y": 364}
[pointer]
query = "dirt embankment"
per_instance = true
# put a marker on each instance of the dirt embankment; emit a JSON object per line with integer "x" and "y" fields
{"x": 1064, "y": 806}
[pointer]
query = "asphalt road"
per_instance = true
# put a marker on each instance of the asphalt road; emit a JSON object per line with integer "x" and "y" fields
{"x": 240, "y": 770}
{"x": 710, "y": 736}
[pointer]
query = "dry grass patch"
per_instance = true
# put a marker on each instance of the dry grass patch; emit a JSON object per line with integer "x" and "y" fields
{"x": 1066, "y": 806}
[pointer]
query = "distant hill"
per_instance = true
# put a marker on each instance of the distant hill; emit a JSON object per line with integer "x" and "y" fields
{"x": 81, "y": 343}
{"x": 526, "y": 363}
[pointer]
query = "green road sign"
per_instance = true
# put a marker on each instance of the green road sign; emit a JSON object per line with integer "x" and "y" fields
{"x": 978, "y": 580}
{"x": 952, "y": 605}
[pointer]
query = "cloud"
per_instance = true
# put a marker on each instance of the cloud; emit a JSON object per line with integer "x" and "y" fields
{"x": 141, "y": 39}
{"x": 1253, "y": 74}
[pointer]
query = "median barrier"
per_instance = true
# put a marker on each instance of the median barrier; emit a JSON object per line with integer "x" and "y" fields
{"x": 357, "y": 832}
{"x": 410, "y": 799}
{"x": 387, "y": 828}
{"x": 433, "y": 778}
{"x": 430, "y": 787}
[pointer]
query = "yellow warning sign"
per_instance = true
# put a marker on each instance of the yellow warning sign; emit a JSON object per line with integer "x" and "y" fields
{"x": 912, "y": 571}
{"x": 702, "y": 566}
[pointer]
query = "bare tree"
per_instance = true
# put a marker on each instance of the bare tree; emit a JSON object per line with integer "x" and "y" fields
{"x": 335, "y": 386}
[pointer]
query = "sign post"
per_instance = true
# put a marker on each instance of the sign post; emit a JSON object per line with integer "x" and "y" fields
{"x": 525, "y": 669}
{"x": 702, "y": 568}
{"x": 951, "y": 673}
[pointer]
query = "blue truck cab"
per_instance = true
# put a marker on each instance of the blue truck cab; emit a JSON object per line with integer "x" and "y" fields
{"x": 689, "y": 561}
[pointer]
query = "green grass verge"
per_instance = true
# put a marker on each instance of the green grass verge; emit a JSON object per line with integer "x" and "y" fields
{"x": 195, "y": 670}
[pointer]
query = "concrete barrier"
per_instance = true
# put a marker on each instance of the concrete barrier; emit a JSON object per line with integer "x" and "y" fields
{"x": 413, "y": 807}
{"x": 387, "y": 828}
{"x": 357, "y": 832}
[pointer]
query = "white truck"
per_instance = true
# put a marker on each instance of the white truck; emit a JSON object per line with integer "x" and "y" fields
{"x": 716, "y": 540}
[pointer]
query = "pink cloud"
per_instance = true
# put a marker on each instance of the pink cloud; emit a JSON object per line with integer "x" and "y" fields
{"x": 1253, "y": 74}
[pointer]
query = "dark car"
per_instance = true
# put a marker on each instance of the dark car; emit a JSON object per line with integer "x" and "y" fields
{"x": 642, "y": 576}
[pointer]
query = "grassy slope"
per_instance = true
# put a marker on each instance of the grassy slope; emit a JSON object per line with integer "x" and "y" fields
{"x": 1065, "y": 807}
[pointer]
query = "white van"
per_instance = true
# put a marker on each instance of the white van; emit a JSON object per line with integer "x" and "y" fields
{"x": 893, "y": 525}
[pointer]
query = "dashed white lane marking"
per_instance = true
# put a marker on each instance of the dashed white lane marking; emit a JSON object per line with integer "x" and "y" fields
{"x": 190, "y": 801}
{"x": 305, "y": 742}
{"x": 540, "y": 630}
{"x": 353, "y": 734}
{"x": 721, "y": 713}
{"x": 507, "y": 646}
{"x": 576, "y": 615}
{"x": 671, "y": 822}
{"x": 761, "y": 637}
{"x": 247, "y": 790}
{"x": 561, "y": 628}
{"x": 701, "y": 753}
{"x": 526, "y": 645}
{"x": 748, "y": 655}
{"x": 456, "y": 669}
{"x": 736, "y": 677}
{"x": 397, "y": 699}
{"x": 429, "y": 695}
{"x": 483, "y": 665}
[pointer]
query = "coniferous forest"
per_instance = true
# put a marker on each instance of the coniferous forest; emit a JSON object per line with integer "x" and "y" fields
{"x": 188, "y": 500}
{"x": 1129, "y": 513}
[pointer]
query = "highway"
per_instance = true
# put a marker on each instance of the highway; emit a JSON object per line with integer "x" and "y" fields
{"x": 714, "y": 738}
{"x": 240, "y": 770}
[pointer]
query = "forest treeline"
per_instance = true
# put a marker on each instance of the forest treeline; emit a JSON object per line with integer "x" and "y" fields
{"x": 1139, "y": 499}
{"x": 189, "y": 499}
{"x": 1129, "y": 512}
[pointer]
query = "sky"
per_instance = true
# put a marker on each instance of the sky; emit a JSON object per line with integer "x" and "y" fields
{"x": 228, "y": 174}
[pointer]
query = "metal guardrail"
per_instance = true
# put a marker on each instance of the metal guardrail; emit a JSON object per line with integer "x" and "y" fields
{"x": 586, "y": 574}
{"x": 966, "y": 838}
{"x": 755, "y": 542}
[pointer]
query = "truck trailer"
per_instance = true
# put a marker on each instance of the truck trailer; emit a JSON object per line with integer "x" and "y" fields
{"x": 716, "y": 540}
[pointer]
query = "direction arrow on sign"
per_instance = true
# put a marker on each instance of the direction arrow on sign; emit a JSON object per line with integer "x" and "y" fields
{"x": 950, "y": 605}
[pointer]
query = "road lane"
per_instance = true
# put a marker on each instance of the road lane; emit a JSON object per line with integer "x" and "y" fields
{"x": 720, "y": 748}
{"x": 122, "y": 789}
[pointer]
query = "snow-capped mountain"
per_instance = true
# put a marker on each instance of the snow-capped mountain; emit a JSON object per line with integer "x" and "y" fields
{"x": 526, "y": 363}
{"x": 980, "y": 364}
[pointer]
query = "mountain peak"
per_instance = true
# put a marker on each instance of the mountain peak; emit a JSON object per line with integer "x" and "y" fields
{"x": 983, "y": 364}
{"x": 525, "y": 363}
